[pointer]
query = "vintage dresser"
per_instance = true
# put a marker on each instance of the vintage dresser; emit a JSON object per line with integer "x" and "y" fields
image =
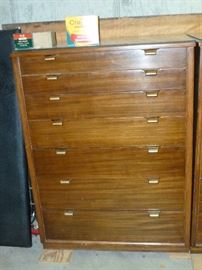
{"x": 108, "y": 133}
{"x": 196, "y": 241}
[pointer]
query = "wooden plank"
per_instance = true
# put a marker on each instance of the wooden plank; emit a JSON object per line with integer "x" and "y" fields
{"x": 196, "y": 261}
{"x": 196, "y": 34}
{"x": 55, "y": 256}
{"x": 118, "y": 28}
{"x": 179, "y": 256}
{"x": 146, "y": 26}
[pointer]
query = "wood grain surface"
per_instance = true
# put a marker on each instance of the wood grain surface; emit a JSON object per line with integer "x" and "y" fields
{"x": 124, "y": 104}
{"x": 112, "y": 162}
{"x": 117, "y": 226}
{"x": 97, "y": 59}
{"x": 106, "y": 81}
{"x": 108, "y": 132}
{"x": 93, "y": 157}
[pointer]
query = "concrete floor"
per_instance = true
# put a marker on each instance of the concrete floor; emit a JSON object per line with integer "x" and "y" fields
{"x": 28, "y": 259}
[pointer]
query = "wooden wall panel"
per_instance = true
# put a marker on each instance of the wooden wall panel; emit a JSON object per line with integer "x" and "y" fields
{"x": 117, "y": 28}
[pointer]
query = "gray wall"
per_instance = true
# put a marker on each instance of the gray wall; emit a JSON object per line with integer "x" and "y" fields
{"x": 13, "y": 11}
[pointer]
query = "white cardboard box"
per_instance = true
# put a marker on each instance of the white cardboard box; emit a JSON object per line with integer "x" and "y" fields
{"x": 44, "y": 39}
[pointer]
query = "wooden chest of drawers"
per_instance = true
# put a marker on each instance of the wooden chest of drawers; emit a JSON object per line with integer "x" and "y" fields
{"x": 108, "y": 134}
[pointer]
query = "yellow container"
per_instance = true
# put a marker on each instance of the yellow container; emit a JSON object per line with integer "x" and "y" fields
{"x": 82, "y": 31}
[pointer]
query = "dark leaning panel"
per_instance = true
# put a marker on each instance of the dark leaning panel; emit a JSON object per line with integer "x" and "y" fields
{"x": 14, "y": 200}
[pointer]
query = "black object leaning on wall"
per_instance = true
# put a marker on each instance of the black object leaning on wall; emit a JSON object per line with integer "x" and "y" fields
{"x": 14, "y": 195}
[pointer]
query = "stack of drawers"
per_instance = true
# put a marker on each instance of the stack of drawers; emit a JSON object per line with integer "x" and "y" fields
{"x": 108, "y": 135}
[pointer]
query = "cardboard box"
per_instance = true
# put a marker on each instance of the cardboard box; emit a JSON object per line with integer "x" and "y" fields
{"x": 82, "y": 31}
{"x": 44, "y": 39}
{"x": 22, "y": 41}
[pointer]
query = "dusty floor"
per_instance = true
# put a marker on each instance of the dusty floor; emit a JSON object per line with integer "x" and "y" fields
{"x": 28, "y": 258}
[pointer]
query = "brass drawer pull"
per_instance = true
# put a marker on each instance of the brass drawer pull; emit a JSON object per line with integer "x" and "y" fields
{"x": 54, "y": 98}
{"x": 65, "y": 182}
{"x": 52, "y": 77}
{"x": 153, "y": 181}
{"x": 68, "y": 213}
{"x": 61, "y": 152}
{"x": 152, "y": 120}
{"x": 152, "y": 93}
{"x": 150, "y": 72}
{"x": 49, "y": 58}
{"x": 154, "y": 214}
{"x": 150, "y": 51}
{"x": 153, "y": 149}
{"x": 57, "y": 122}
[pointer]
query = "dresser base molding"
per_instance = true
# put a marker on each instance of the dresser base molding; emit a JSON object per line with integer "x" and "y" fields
{"x": 116, "y": 246}
{"x": 196, "y": 249}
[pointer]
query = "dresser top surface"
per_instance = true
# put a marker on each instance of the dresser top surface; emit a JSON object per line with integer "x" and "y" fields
{"x": 197, "y": 35}
{"x": 118, "y": 44}
{"x": 148, "y": 40}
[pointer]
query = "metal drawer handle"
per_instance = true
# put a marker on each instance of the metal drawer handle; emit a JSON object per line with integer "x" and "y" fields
{"x": 57, "y": 122}
{"x": 61, "y": 152}
{"x": 54, "y": 98}
{"x": 49, "y": 58}
{"x": 150, "y": 51}
{"x": 152, "y": 93}
{"x": 154, "y": 214}
{"x": 152, "y": 120}
{"x": 150, "y": 72}
{"x": 68, "y": 213}
{"x": 153, "y": 181}
{"x": 153, "y": 149}
{"x": 65, "y": 182}
{"x": 51, "y": 77}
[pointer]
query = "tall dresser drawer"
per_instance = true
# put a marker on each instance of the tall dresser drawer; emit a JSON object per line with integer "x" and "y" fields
{"x": 131, "y": 226}
{"x": 133, "y": 197}
{"x": 106, "y": 81}
{"x": 165, "y": 192}
{"x": 103, "y": 59}
{"x": 143, "y": 183}
{"x": 107, "y": 163}
{"x": 101, "y": 132}
{"x": 73, "y": 106}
